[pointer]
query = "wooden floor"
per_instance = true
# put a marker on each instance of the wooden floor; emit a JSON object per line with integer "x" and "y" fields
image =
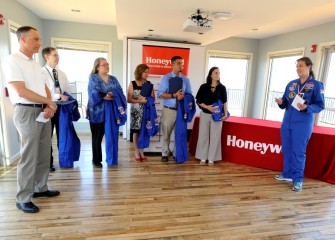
{"x": 153, "y": 200}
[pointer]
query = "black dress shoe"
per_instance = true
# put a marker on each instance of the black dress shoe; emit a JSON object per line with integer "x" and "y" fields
{"x": 28, "y": 207}
{"x": 97, "y": 165}
{"x": 48, "y": 193}
{"x": 52, "y": 168}
{"x": 165, "y": 159}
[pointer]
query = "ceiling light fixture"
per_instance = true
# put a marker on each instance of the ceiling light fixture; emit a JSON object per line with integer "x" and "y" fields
{"x": 222, "y": 15}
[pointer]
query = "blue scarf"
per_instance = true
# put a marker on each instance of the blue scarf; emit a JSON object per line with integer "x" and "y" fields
{"x": 185, "y": 113}
{"x": 149, "y": 125}
{"x": 115, "y": 116}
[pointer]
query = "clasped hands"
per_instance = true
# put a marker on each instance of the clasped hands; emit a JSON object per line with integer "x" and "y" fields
{"x": 50, "y": 110}
{"x": 142, "y": 99}
{"x": 109, "y": 96}
{"x": 180, "y": 95}
{"x": 213, "y": 108}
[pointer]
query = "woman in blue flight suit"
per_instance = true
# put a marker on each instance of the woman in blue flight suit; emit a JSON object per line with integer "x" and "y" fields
{"x": 297, "y": 125}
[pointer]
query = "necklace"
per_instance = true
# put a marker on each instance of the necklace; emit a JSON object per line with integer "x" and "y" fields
{"x": 213, "y": 89}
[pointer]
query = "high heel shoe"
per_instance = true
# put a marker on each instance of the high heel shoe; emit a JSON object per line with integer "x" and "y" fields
{"x": 138, "y": 159}
{"x": 143, "y": 158}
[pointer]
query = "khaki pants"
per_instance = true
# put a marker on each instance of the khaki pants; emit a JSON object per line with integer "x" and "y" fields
{"x": 168, "y": 124}
{"x": 33, "y": 167}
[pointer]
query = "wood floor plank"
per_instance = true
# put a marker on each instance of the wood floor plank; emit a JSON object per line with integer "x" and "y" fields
{"x": 152, "y": 200}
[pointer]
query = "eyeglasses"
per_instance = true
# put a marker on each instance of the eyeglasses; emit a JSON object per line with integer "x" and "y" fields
{"x": 104, "y": 65}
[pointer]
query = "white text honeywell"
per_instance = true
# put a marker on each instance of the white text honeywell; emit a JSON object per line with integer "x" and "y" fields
{"x": 255, "y": 146}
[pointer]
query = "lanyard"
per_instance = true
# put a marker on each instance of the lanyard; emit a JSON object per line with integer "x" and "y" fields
{"x": 50, "y": 74}
{"x": 53, "y": 78}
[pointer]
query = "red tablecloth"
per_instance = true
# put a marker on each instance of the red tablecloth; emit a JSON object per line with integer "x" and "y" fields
{"x": 256, "y": 142}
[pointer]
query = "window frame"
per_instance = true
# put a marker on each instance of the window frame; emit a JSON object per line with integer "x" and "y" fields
{"x": 322, "y": 62}
{"x": 84, "y": 45}
{"x": 269, "y": 57}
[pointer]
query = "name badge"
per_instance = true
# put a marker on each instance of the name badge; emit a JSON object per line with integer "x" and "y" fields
{"x": 57, "y": 90}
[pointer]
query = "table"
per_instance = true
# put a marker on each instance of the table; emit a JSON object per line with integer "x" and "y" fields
{"x": 257, "y": 143}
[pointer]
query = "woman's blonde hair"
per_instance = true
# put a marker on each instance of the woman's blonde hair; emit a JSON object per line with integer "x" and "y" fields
{"x": 141, "y": 68}
{"x": 96, "y": 65}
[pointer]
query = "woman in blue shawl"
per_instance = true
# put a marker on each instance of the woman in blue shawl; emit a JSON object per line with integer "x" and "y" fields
{"x": 100, "y": 88}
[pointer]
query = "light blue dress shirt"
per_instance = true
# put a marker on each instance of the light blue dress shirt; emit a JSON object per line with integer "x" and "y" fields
{"x": 164, "y": 88}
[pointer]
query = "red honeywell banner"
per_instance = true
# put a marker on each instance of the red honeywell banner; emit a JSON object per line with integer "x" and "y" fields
{"x": 158, "y": 58}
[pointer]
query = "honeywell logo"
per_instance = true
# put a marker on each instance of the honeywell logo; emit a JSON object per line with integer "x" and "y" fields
{"x": 150, "y": 60}
{"x": 256, "y": 146}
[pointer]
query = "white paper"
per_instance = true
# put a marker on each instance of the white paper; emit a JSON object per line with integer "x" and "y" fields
{"x": 41, "y": 118}
{"x": 297, "y": 100}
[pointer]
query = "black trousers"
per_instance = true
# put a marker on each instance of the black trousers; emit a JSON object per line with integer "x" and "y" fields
{"x": 54, "y": 123}
{"x": 98, "y": 132}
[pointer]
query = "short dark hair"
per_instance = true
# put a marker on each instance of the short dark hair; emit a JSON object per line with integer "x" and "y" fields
{"x": 174, "y": 58}
{"x": 141, "y": 68}
{"x": 47, "y": 51}
{"x": 23, "y": 30}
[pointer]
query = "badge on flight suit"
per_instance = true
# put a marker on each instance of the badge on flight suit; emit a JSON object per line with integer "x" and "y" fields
{"x": 292, "y": 95}
{"x": 309, "y": 87}
{"x": 292, "y": 87}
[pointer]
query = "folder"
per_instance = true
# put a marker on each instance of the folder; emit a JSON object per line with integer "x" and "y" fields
{"x": 146, "y": 89}
{"x": 175, "y": 84}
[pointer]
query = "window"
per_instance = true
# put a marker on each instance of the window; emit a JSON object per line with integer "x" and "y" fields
{"x": 76, "y": 60}
{"x": 282, "y": 69}
{"x": 327, "y": 76}
{"x": 14, "y": 43}
{"x": 234, "y": 73}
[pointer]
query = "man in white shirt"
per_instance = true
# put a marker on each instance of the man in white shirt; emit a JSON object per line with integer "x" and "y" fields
{"x": 29, "y": 93}
{"x": 58, "y": 84}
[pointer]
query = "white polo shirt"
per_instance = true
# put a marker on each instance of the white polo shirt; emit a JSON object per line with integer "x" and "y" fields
{"x": 63, "y": 81}
{"x": 23, "y": 69}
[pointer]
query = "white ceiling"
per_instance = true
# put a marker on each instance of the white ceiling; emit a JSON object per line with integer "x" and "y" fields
{"x": 133, "y": 18}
